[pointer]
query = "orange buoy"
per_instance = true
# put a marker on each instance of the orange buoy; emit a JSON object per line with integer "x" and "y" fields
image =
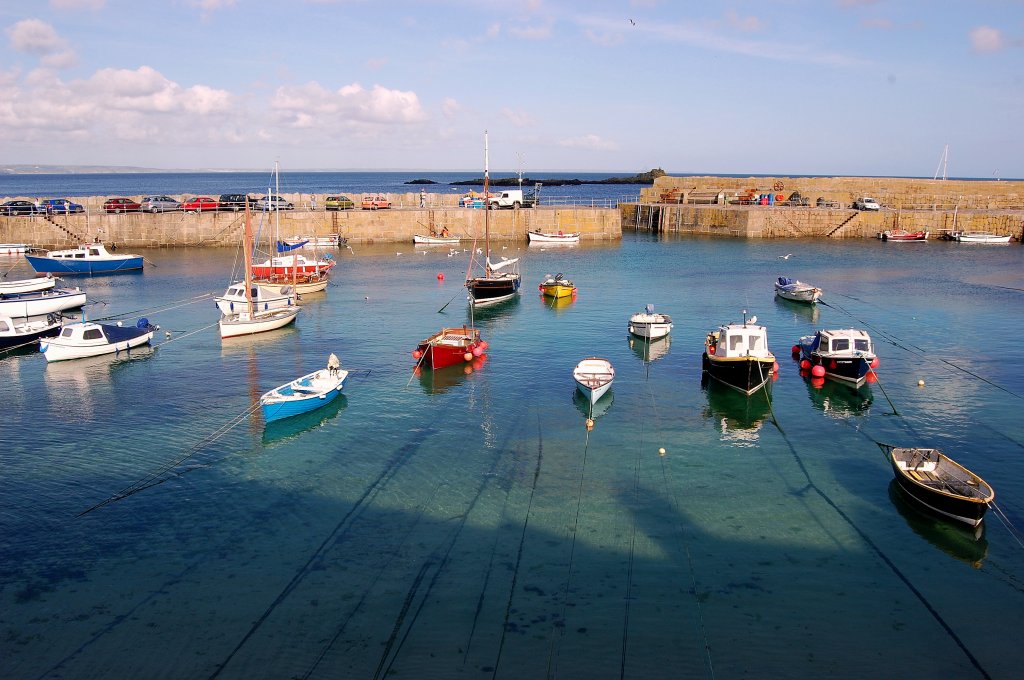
{"x": 796, "y": 349}
{"x": 805, "y": 364}
{"x": 874, "y": 363}
{"x": 478, "y": 350}
{"x": 416, "y": 354}
{"x": 775, "y": 367}
{"x": 468, "y": 356}
{"x": 818, "y": 371}
{"x": 440, "y": 276}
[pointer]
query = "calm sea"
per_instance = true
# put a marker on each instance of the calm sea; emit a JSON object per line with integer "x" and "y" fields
{"x": 466, "y": 523}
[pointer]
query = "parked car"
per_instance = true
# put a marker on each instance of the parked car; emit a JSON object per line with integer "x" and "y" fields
{"x": 59, "y": 206}
{"x": 375, "y": 201}
{"x": 235, "y": 202}
{"x": 273, "y": 203}
{"x": 19, "y": 208}
{"x": 199, "y": 204}
{"x": 120, "y": 205}
{"x": 339, "y": 203}
{"x": 155, "y": 204}
{"x": 866, "y": 203}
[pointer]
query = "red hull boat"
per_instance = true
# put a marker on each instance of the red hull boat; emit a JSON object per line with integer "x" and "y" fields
{"x": 901, "y": 235}
{"x": 450, "y": 346}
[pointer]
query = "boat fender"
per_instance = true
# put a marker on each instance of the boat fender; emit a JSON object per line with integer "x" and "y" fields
{"x": 874, "y": 363}
{"x": 468, "y": 356}
{"x": 796, "y": 349}
{"x": 711, "y": 349}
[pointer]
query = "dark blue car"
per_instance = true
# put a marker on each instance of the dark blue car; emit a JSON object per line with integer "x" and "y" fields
{"x": 19, "y": 208}
{"x": 59, "y": 206}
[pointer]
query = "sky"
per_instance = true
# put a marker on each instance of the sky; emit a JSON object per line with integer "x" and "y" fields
{"x": 790, "y": 87}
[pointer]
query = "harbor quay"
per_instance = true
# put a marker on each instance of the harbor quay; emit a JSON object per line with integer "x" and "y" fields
{"x": 752, "y": 207}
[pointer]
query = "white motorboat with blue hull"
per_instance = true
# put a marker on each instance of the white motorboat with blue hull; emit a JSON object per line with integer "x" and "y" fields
{"x": 89, "y": 258}
{"x": 41, "y": 303}
{"x": 844, "y": 354}
{"x": 90, "y": 339}
{"x": 302, "y": 395}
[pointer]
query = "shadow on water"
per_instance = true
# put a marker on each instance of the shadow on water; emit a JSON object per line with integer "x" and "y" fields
{"x": 600, "y": 408}
{"x": 960, "y": 542}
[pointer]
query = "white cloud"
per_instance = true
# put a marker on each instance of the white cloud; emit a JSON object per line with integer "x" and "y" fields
{"x": 351, "y": 103}
{"x": 518, "y": 118}
{"x": 747, "y": 24}
{"x": 986, "y": 39}
{"x": 450, "y": 107}
{"x": 36, "y": 37}
{"x": 538, "y": 32}
{"x": 591, "y": 142}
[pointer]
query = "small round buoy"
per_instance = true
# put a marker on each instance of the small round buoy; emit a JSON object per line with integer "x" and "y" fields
{"x": 477, "y": 351}
{"x": 483, "y": 344}
{"x": 796, "y": 349}
{"x": 874, "y": 363}
{"x": 590, "y": 423}
{"x": 468, "y": 356}
{"x": 775, "y": 367}
{"x": 416, "y": 354}
{"x": 805, "y": 364}
{"x": 872, "y": 378}
{"x": 920, "y": 383}
{"x": 818, "y": 371}
{"x": 661, "y": 451}
{"x": 440, "y": 275}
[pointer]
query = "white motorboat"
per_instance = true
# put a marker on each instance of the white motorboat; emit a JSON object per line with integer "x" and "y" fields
{"x": 25, "y": 331}
{"x": 797, "y": 291}
{"x": 248, "y": 323}
{"x": 28, "y": 285}
{"x": 41, "y": 302}
{"x": 980, "y": 237}
{"x": 90, "y": 339}
{"x": 593, "y": 377}
{"x": 650, "y": 324}
{"x": 737, "y": 355}
{"x": 264, "y": 298}
{"x": 423, "y": 239}
{"x": 537, "y": 236}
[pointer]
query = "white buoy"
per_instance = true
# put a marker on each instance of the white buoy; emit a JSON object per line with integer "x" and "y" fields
{"x": 920, "y": 383}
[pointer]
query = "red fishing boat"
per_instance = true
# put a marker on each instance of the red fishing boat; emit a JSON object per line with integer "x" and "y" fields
{"x": 450, "y": 346}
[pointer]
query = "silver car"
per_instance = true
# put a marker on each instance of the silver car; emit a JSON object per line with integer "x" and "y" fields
{"x": 155, "y": 204}
{"x": 274, "y": 203}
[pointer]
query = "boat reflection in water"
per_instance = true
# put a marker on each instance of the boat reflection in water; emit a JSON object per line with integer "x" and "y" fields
{"x": 801, "y": 311}
{"x": 839, "y": 400}
{"x": 286, "y": 429}
{"x": 738, "y": 417}
{"x": 967, "y": 544}
{"x": 600, "y": 408}
{"x": 440, "y": 380}
{"x": 557, "y": 304}
{"x": 650, "y": 350}
{"x": 77, "y": 388}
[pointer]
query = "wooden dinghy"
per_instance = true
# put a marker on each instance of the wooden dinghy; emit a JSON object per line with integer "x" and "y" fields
{"x": 938, "y": 482}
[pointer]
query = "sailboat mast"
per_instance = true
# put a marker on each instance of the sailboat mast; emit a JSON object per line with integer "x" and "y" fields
{"x": 487, "y": 210}
{"x": 248, "y": 257}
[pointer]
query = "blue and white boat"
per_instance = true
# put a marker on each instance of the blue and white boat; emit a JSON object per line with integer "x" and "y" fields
{"x": 845, "y": 354}
{"x": 797, "y": 291}
{"x": 90, "y": 339}
{"x": 88, "y": 258}
{"x": 26, "y": 331}
{"x": 305, "y": 394}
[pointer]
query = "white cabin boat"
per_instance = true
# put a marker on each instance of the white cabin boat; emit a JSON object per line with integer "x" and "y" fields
{"x": 41, "y": 302}
{"x": 650, "y": 324}
{"x": 28, "y": 285}
{"x": 980, "y": 237}
{"x": 90, "y": 339}
{"x": 737, "y": 355}
{"x": 264, "y": 298}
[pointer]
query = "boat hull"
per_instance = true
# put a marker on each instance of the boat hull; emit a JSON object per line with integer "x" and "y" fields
{"x": 557, "y": 290}
{"x": 982, "y": 238}
{"x": 434, "y": 240}
{"x": 18, "y": 335}
{"x": 808, "y": 294}
{"x": 490, "y": 291}
{"x": 114, "y": 341}
{"x": 305, "y": 394}
{"x": 449, "y": 347}
{"x": 847, "y": 369}
{"x": 650, "y": 326}
{"x": 903, "y": 236}
{"x": 746, "y": 374}
{"x": 13, "y": 248}
{"x": 41, "y": 302}
{"x": 28, "y": 285}
{"x": 593, "y": 377}
{"x": 110, "y": 265}
{"x": 235, "y": 325}
{"x": 942, "y": 488}
{"x": 540, "y": 237}
{"x": 264, "y": 299}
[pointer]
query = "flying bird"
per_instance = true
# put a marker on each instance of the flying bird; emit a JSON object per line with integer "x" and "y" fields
{"x": 632, "y": 22}
{"x": 786, "y": 256}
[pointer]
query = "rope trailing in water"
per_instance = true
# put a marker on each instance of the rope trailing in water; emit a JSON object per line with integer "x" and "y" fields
{"x": 156, "y": 310}
{"x": 158, "y": 476}
{"x": 179, "y": 337}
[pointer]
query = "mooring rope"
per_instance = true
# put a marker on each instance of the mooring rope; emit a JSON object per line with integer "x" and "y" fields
{"x": 157, "y": 476}
{"x": 156, "y": 310}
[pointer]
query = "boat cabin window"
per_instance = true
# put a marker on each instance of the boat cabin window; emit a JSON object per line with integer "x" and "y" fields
{"x": 94, "y": 252}
{"x": 862, "y": 344}
{"x": 840, "y": 344}
{"x": 66, "y": 333}
{"x": 92, "y": 334}
{"x": 79, "y": 255}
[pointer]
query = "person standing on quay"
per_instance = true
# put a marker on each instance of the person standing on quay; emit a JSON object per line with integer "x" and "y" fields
{"x": 423, "y": 198}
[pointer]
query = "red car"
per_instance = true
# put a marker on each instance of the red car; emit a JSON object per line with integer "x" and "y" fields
{"x": 200, "y": 204}
{"x": 121, "y": 205}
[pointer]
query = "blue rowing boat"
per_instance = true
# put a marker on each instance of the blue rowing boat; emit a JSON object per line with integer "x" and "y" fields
{"x": 305, "y": 394}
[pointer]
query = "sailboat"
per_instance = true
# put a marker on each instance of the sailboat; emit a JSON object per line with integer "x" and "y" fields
{"x": 250, "y": 320}
{"x": 500, "y": 280}
{"x": 292, "y": 269}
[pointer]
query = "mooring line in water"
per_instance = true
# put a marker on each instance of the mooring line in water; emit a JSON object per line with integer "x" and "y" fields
{"x": 370, "y": 492}
{"x": 171, "y": 339}
{"x": 632, "y": 549}
{"x": 560, "y": 623}
{"x": 921, "y": 352}
{"x": 156, "y": 310}
{"x": 157, "y": 476}
{"x": 885, "y": 558}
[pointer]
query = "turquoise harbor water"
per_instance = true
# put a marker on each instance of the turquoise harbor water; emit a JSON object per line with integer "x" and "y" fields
{"x": 458, "y": 524}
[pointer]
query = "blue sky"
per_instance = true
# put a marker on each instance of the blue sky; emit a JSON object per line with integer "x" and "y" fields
{"x": 834, "y": 87}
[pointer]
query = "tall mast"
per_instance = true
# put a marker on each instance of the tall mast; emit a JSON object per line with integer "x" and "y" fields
{"x": 248, "y": 257}
{"x": 487, "y": 211}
